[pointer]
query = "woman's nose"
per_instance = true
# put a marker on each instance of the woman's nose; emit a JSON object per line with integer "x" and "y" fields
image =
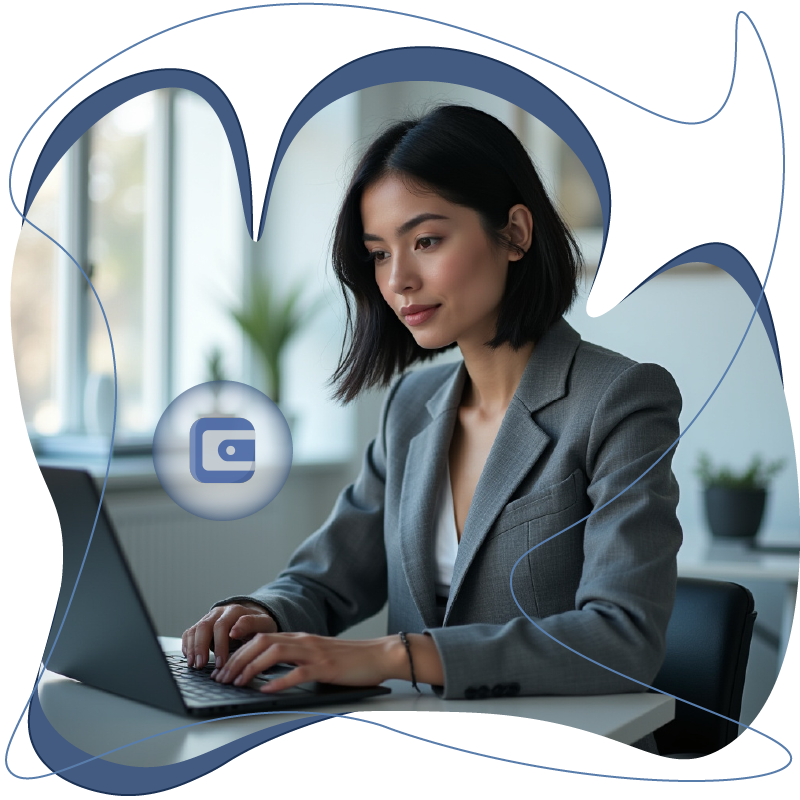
{"x": 403, "y": 276}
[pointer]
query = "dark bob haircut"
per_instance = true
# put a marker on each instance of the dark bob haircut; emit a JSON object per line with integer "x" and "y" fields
{"x": 471, "y": 159}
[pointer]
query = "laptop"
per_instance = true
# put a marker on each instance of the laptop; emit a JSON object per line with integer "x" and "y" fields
{"x": 108, "y": 640}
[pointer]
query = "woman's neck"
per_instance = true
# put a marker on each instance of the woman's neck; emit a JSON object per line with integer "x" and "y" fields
{"x": 493, "y": 377}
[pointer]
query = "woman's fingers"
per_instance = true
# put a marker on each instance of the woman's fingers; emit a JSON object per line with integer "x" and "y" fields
{"x": 188, "y": 643}
{"x": 274, "y": 654}
{"x": 319, "y": 658}
{"x": 250, "y": 624}
{"x": 222, "y": 632}
{"x": 240, "y": 623}
{"x": 203, "y": 634}
{"x": 221, "y": 629}
{"x": 253, "y": 654}
{"x": 218, "y": 627}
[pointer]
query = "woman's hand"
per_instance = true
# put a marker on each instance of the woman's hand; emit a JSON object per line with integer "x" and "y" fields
{"x": 329, "y": 660}
{"x": 318, "y": 658}
{"x": 239, "y": 621}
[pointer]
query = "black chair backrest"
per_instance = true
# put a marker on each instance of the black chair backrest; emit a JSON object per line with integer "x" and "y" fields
{"x": 708, "y": 644}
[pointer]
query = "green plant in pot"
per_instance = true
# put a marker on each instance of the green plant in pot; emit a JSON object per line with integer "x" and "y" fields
{"x": 735, "y": 501}
{"x": 269, "y": 320}
{"x": 215, "y": 374}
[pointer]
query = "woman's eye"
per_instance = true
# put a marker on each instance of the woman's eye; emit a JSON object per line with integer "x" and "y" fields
{"x": 424, "y": 242}
{"x": 379, "y": 255}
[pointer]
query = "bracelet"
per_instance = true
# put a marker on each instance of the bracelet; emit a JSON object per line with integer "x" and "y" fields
{"x": 404, "y": 640}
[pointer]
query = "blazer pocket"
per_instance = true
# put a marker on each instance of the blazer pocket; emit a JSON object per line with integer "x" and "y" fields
{"x": 553, "y": 500}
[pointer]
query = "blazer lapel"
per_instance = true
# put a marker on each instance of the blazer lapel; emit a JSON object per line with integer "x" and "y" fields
{"x": 424, "y": 472}
{"x": 519, "y": 444}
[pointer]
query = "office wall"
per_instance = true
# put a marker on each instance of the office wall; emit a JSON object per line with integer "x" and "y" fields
{"x": 691, "y": 322}
{"x": 184, "y": 564}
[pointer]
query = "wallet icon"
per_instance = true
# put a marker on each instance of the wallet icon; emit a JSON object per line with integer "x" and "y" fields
{"x": 222, "y": 450}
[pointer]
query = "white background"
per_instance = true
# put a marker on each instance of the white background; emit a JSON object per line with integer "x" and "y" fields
{"x": 672, "y": 187}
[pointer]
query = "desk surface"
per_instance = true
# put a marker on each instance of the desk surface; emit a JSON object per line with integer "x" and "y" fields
{"x": 701, "y": 556}
{"x": 97, "y": 722}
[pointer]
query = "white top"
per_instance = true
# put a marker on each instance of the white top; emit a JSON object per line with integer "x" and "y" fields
{"x": 446, "y": 536}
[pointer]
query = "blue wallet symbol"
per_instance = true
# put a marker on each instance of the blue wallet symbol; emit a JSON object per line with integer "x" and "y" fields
{"x": 222, "y": 450}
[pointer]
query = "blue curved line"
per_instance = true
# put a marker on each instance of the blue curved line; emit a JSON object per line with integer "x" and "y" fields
{"x": 398, "y": 13}
{"x": 350, "y": 718}
{"x": 102, "y": 492}
{"x": 603, "y": 194}
{"x": 674, "y": 444}
{"x": 515, "y": 565}
{"x": 402, "y": 14}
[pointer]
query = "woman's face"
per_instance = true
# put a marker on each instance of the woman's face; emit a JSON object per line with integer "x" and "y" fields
{"x": 434, "y": 264}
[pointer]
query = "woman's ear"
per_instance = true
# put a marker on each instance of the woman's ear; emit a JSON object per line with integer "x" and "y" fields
{"x": 519, "y": 231}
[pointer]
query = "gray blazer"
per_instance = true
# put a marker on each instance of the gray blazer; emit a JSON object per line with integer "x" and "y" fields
{"x": 584, "y": 423}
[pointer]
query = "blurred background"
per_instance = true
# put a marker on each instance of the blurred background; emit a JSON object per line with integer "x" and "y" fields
{"x": 148, "y": 203}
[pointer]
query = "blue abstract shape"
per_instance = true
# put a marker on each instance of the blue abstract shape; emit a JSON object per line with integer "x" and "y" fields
{"x": 35, "y": 709}
{"x": 730, "y": 260}
{"x": 462, "y": 68}
{"x": 105, "y": 100}
{"x": 82, "y": 769}
{"x": 401, "y": 64}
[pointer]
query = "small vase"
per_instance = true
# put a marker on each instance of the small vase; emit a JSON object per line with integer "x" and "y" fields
{"x": 734, "y": 513}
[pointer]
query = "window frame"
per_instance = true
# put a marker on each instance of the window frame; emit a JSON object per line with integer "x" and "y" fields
{"x": 74, "y": 295}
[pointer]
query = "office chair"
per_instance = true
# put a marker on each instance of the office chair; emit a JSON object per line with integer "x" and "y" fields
{"x": 708, "y": 644}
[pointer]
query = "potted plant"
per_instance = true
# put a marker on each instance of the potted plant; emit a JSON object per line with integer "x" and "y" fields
{"x": 734, "y": 501}
{"x": 215, "y": 375}
{"x": 269, "y": 320}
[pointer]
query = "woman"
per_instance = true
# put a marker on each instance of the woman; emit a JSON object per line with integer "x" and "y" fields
{"x": 446, "y": 237}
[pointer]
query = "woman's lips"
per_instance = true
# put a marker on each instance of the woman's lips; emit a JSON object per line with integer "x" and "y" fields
{"x": 416, "y": 315}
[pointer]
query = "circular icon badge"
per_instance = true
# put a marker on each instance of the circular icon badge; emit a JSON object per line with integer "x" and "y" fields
{"x": 222, "y": 450}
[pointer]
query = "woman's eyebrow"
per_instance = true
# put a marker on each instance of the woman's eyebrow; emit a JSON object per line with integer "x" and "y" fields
{"x": 405, "y": 227}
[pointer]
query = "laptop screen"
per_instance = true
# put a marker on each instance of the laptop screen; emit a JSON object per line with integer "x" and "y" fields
{"x": 108, "y": 639}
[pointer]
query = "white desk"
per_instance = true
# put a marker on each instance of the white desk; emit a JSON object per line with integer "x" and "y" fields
{"x": 97, "y": 722}
{"x": 717, "y": 559}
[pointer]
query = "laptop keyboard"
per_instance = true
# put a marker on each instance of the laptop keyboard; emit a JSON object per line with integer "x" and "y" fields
{"x": 196, "y": 685}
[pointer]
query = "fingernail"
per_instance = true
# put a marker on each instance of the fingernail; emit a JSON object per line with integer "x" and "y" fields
{"x": 190, "y": 659}
{"x": 214, "y": 673}
{"x": 239, "y": 681}
{"x": 217, "y": 661}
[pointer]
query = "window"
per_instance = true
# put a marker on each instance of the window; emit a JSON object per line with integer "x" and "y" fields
{"x": 34, "y": 316}
{"x": 93, "y": 203}
{"x": 148, "y": 202}
{"x": 116, "y": 188}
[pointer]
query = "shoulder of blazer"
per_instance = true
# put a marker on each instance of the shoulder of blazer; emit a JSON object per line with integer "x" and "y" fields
{"x": 601, "y": 365}
{"x": 603, "y": 379}
{"x": 566, "y": 368}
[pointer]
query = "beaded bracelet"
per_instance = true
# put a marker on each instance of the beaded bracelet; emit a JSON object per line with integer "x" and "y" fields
{"x": 404, "y": 640}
